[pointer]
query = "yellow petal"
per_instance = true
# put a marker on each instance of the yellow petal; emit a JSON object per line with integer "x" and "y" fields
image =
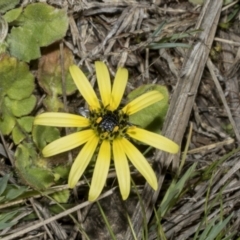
{"x": 153, "y": 139}
{"x": 140, "y": 163}
{"x": 84, "y": 87}
{"x": 61, "y": 120}
{"x": 142, "y": 101}
{"x": 82, "y": 161}
{"x": 119, "y": 86}
{"x": 104, "y": 83}
{"x": 67, "y": 143}
{"x": 100, "y": 171}
{"x": 122, "y": 168}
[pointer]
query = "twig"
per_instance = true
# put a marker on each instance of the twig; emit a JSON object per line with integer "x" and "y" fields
{"x": 220, "y": 91}
{"x": 51, "y": 219}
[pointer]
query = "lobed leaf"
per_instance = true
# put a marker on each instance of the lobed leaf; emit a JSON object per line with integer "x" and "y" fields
{"x": 16, "y": 99}
{"x": 44, "y": 134}
{"x": 13, "y": 14}
{"x": 62, "y": 196}
{"x": 46, "y": 23}
{"x": 22, "y": 107}
{"x": 40, "y": 25}
{"x": 23, "y": 45}
{"x": 37, "y": 177}
{"x": 6, "y": 5}
{"x": 16, "y": 80}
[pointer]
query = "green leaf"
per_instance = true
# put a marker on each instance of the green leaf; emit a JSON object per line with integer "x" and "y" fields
{"x": 6, "y": 217}
{"x": 61, "y": 197}
{"x": 181, "y": 35}
{"x": 13, "y": 193}
{"x": 23, "y": 126}
{"x": 23, "y": 45}
{"x": 37, "y": 177}
{"x": 46, "y": 23}
{"x": 218, "y": 228}
{"x": 17, "y": 135}
{"x": 16, "y": 84}
{"x": 52, "y": 103}
{"x": 168, "y": 45}
{"x": 26, "y": 123}
{"x": 3, "y": 47}
{"x": 22, "y": 107}
{"x": 207, "y": 230}
{"x": 3, "y": 183}
{"x": 16, "y": 80}
{"x": 7, "y": 5}
{"x": 174, "y": 191}
{"x": 40, "y": 25}
{"x": 62, "y": 171}
{"x": 7, "y": 121}
{"x": 159, "y": 29}
{"x": 6, "y": 225}
{"x": 151, "y": 117}
{"x": 43, "y": 135}
{"x": 12, "y": 15}
{"x": 25, "y": 106}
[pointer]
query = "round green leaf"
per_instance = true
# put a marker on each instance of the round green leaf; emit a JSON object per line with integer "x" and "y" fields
{"x": 16, "y": 80}
{"x": 7, "y": 122}
{"x": 61, "y": 197}
{"x": 26, "y": 123}
{"x": 23, "y": 45}
{"x": 41, "y": 25}
{"x": 12, "y": 15}
{"x": 62, "y": 171}
{"x": 17, "y": 135}
{"x": 43, "y": 135}
{"x": 36, "y": 177}
{"x": 20, "y": 130}
{"x": 21, "y": 107}
{"x": 46, "y": 23}
{"x": 52, "y": 103}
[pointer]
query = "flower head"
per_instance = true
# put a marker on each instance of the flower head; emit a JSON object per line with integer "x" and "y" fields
{"x": 106, "y": 132}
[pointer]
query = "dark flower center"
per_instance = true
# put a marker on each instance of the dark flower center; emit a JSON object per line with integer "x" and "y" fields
{"x": 109, "y": 124}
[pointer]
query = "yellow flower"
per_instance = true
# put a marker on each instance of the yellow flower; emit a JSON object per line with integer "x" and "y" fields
{"x": 106, "y": 132}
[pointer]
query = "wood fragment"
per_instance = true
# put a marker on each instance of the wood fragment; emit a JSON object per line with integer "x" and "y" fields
{"x": 211, "y": 146}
